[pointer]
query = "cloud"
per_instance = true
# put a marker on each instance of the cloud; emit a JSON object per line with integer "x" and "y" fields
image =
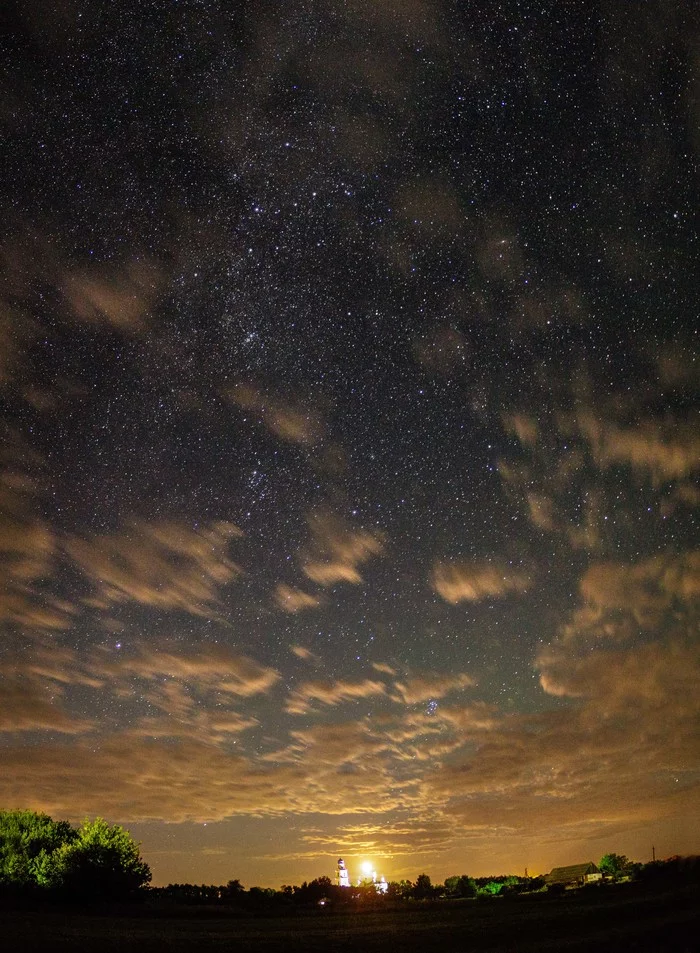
{"x": 667, "y": 449}
{"x": 164, "y": 565}
{"x": 633, "y": 639}
{"x": 119, "y": 298}
{"x": 46, "y": 661}
{"x": 190, "y": 689}
{"x": 408, "y": 835}
{"x": 207, "y": 727}
{"x": 288, "y": 420}
{"x": 215, "y": 667}
{"x": 471, "y": 720}
{"x": 337, "y": 744}
{"x": 561, "y": 479}
{"x": 627, "y": 752}
{"x": 303, "y": 653}
{"x": 657, "y": 676}
{"x": 28, "y": 546}
{"x": 624, "y": 750}
{"x": 383, "y": 668}
{"x": 337, "y": 549}
{"x": 422, "y": 688}
{"x": 136, "y": 778}
{"x": 331, "y": 693}
{"x": 133, "y": 778}
{"x": 293, "y": 600}
{"x": 472, "y": 581}
{"x": 645, "y": 589}
{"x": 27, "y": 706}
{"x": 525, "y": 426}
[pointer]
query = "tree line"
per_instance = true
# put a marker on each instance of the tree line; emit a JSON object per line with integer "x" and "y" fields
{"x": 322, "y": 890}
{"x": 99, "y": 861}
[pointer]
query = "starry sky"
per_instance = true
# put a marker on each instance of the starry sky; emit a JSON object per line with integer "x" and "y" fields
{"x": 348, "y": 392}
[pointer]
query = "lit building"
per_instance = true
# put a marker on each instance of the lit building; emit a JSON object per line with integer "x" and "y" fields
{"x": 381, "y": 886}
{"x": 342, "y": 877}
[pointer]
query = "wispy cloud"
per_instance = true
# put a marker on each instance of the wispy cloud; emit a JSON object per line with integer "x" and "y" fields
{"x": 165, "y": 565}
{"x": 287, "y": 418}
{"x": 471, "y": 581}
{"x": 120, "y": 298}
{"x": 26, "y": 705}
{"x": 293, "y": 600}
{"x": 338, "y": 549}
{"x": 421, "y": 688}
{"x": 329, "y": 693}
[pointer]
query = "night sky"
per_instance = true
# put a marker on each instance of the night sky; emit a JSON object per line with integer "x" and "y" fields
{"x": 349, "y": 431}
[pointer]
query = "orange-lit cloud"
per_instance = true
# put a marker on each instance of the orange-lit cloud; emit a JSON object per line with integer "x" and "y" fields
{"x": 666, "y": 449}
{"x": 408, "y": 836}
{"x": 164, "y": 565}
{"x": 27, "y": 543}
{"x": 25, "y": 705}
{"x": 471, "y": 581}
{"x": 332, "y": 693}
{"x": 305, "y": 654}
{"x": 646, "y": 588}
{"x": 293, "y": 600}
{"x": 286, "y": 419}
{"x": 212, "y": 665}
{"x": 121, "y": 299}
{"x": 205, "y": 727}
{"x": 338, "y": 549}
{"x": 383, "y": 668}
{"x": 431, "y": 686}
{"x": 135, "y": 777}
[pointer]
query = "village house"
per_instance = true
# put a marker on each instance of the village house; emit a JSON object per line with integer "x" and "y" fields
{"x": 576, "y": 875}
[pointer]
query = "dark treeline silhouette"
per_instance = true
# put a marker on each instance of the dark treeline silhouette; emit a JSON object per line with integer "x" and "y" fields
{"x": 322, "y": 892}
{"x": 42, "y": 858}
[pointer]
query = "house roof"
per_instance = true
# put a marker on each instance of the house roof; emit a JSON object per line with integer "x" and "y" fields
{"x": 565, "y": 875}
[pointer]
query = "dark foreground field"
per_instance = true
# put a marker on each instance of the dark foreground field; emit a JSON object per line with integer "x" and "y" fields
{"x": 623, "y": 918}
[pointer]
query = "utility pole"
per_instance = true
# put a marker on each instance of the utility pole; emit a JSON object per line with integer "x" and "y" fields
{"x": 653, "y": 854}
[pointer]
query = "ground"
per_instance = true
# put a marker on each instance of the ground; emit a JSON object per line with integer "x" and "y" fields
{"x": 630, "y": 919}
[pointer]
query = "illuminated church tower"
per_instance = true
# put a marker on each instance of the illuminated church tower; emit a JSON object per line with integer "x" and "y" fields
{"x": 342, "y": 877}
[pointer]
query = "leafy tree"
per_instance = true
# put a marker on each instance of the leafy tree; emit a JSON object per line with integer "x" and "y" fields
{"x": 101, "y": 860}
{"x": 613, "y": 865}
{"x": 400, "y": 889}
{"x": 233, "y": 891}
{"x": 28, "y": 841}
{"x": 491, "y": 888}
{"x": 423, "y": 889}
{"x": 460, "y": 886}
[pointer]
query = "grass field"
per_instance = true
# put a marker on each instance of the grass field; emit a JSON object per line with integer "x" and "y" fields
{"x": 625, "y": 919}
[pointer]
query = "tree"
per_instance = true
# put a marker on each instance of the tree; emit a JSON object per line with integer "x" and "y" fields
{"x": 613, "y": 865}
{"x": 233, "y": 891}
{"x": 423, "y": 889}
{"x": 101, "y": 860}
{"x": 463, "y": 886}
{"x": 28, "y": 841}
{"x": 400, "y": 889}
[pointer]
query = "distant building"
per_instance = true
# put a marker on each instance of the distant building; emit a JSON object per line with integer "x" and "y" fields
{"x": 342, "y": 877}
{"x": 379, "y": 884}
{"x": 576, "y": 875}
